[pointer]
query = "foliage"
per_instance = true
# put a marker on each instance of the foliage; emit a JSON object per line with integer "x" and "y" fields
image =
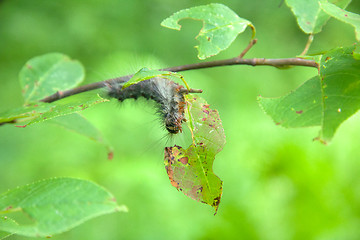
{"x": 47, "y": 74}
{"x": 342, "y": 15}
{"x": 190, "y": 170}
{"x": 220, "y": 27}
{"x": 309, "y": 15}
{"x": 54, "y": 206}
{"x": 325, "y": 100}
{"x": 145, "y": 73}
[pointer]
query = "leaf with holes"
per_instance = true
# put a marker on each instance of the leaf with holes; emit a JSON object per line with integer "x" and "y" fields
{"x": 309, "y": 15}
{"x": 53, "y": 206}
{"x": 325, "y": 100}
{"x": 190, "y": 170}
{"x": 45, "y": 75}
{"x": 342, "y": 15}
{"x": 220, "y": 27}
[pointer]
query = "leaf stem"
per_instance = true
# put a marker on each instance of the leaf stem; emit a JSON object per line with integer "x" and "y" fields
{"x": 186, "y": 84}
{"x": 190, "y": 121}
{"x": 308, "y": 44}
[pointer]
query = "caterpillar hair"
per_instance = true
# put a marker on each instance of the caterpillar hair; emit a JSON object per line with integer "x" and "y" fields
{"x": 168, "y": 95}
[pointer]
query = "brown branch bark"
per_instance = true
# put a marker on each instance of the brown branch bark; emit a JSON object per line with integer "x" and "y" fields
{"x": 280, "y": 63}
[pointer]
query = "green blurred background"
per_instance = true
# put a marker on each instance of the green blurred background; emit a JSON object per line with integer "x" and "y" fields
{"x": 278, "y": 183}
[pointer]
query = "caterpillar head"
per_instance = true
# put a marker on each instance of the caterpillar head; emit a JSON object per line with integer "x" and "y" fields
{"x": 173, "y": 124}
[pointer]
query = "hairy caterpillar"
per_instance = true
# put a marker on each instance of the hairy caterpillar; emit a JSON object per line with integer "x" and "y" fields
{"x": 167, "y": 94}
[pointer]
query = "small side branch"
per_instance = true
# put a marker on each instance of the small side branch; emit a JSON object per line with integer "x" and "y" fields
{"x": 186, "y": 91}
{"x": 251, "y": 44}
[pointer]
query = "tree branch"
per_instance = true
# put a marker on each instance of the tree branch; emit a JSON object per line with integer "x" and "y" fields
{"x": 251, "y": 44}
{"x": 280, "y": 63}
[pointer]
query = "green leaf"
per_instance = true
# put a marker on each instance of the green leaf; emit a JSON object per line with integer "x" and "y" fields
{"x": 356, "y": 52}
{"x": 40, "y": 112}
{"x": 301, "y": 108}
{"x": 220, "y": 27}
{"x": 53, "y": 206}
{"x": 309, "y": 15}
{"x": 190, "y": 170}
{"x": 145, "y": 73}
{"x": 340, "y": 75}
{"x": 45, "y": 75}
{"x": 69, "y": 105}
{"x": 342, "y": 15}
{"x": 325, "y": 100}
{"x": 77, "y": 123}
{"x": 8, "y": 223}
{"x": 24, "y": 113}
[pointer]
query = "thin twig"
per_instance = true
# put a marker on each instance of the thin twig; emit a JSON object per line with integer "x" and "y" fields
{"x": 282, "y": 62}
{"x": 185, "y": 90}
{"x": 219, "y": 63}
{"x": 307, "y": 46}
{"x": 251, "y": 44}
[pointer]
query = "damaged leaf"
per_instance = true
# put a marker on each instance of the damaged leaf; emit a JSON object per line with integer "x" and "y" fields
{"x": 220, "y": 28}
{"x": 326, "y": 100}
{"x": 190, "y": 170}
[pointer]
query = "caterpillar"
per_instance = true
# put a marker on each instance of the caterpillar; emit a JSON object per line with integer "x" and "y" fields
{"x": 168, "y": 95}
